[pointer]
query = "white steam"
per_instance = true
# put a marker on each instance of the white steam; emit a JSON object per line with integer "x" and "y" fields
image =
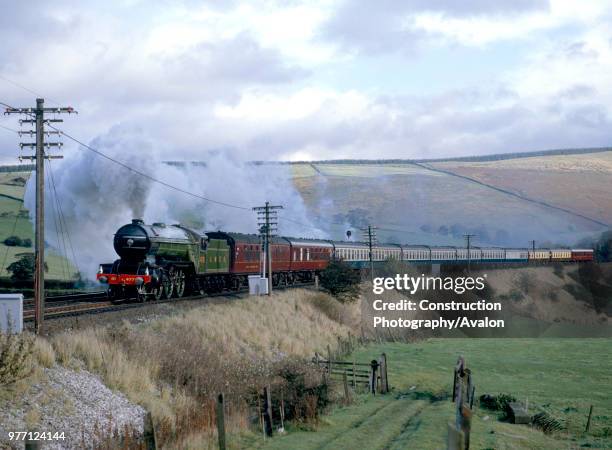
{"x": 97, "y": 196}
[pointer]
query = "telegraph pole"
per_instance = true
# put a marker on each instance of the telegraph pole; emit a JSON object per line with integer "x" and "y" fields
{"x": 468, "y": 238}
{"x": 370, "y": 236}
{"x": 267, "y": 220}
{"x": 37, "y": 118}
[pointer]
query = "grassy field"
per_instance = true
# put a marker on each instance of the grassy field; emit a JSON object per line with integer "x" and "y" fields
{"x": 417, "y": 205}
{"x": 560, "y": 376}
{"x": 550, "y": 178}
{"x": 14, "y": 221}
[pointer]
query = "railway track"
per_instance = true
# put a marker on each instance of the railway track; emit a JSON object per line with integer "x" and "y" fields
{"x": 58, "y": 300}
{"x": 91, "y": 303}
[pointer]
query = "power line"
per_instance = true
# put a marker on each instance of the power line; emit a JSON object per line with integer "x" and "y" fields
{"x": 21, "y": 86}
{"x": 38, "y": 114}
{"x": 149, "y": 177}
{"x": 138, "y": 172}
{"x": 63, "y": 220}
{"x": 60, "y": 241}
{"x": 9, "y": 129}
{"x": 183, "y": 191}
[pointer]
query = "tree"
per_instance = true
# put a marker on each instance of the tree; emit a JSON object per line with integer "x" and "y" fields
{"x": 23, "y": 268}
{"x": 604, "y": 247}
{"x": 341, "y": 281}
{"x": 13, "y": 241}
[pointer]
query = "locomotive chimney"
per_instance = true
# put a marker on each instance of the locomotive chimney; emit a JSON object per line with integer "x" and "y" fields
{"x": 137, "y": 222}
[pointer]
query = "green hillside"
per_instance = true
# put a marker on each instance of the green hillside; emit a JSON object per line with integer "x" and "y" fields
{"x": 554, "y": 199}
{"x": 14, "y": 221}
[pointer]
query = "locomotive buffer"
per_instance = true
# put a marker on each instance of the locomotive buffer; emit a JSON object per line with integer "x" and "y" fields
{"x": 37, "y": 118}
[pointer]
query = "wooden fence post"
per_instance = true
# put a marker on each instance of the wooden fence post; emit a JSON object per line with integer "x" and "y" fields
{"x": 282, "y": 410}
{"x": 588, "y": 425}
{"x": 463, "y": 396}
{"x": 459, "y": 402}
{"x": 384, "y": 381}
{"x": 373, "y": 376}
{"x": 329, "y": 360}
{"x": 455, "y": 438}
{"x": 354, "y": 374}
{"x": 347, "y": 395}
{"x": 466, "y": 424}
{"x": 31, "y": 444}
{"x": 221, "y": 421}
{"x": 149, "y": 433}
{"x": 267, "y": 413}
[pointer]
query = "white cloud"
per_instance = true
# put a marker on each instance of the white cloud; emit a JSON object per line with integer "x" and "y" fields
{"x": 254, "y": 78}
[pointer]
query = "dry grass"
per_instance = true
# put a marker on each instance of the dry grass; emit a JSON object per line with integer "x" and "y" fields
{"x": 16, "y": 357}
{"x": 174, "y": 366}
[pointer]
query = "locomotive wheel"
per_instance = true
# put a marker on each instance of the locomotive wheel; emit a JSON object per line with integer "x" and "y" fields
{"x": 179, "y": 283}
{"x": 168, "y": 286}
{"x": 157, "y": 290}
{"x": 141, "y": 293}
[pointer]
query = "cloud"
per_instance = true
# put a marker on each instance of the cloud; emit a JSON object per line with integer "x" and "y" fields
{"x": 397, "y": 25}
{"x": 324, "y": 80}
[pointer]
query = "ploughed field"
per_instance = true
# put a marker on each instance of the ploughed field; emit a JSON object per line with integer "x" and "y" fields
{"x": 561, "y": 377}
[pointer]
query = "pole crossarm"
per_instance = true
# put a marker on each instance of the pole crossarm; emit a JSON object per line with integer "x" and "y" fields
{"x": 267, "y": 223}
{"x": 37, "y": 118}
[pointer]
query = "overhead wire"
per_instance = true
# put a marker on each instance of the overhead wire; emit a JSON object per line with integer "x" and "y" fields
{"x": 63, "y": 221}
{"x": 184, "y": 191}
{"x": 9, "y": 129}
{"x": 60, "y": 239}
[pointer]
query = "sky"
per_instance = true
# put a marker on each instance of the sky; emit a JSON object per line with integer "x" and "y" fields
{"x": 309, "y": 80}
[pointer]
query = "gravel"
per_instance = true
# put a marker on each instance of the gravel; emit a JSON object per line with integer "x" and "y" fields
{"x": 74, "y": 402}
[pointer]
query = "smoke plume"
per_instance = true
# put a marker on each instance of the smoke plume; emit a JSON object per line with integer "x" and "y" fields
{"x": 97, "y": 196}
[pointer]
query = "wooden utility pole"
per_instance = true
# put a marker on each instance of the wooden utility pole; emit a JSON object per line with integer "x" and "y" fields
{"x": 267, "y": 221}
{"x": 37, "y": 118}
{"x": 370, "y": 237}
{"x": 468, "y": 239}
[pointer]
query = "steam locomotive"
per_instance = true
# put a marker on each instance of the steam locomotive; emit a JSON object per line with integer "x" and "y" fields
{"x": 163, "y": 261}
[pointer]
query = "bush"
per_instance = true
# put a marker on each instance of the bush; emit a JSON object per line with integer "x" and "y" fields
{"x": 13, "y": 241}
{"x": 23, "y": 268}
{"x": 341, "y": 281}
{"x": 305, "y": 395}
{"x": 15, "y": 356}
{"x": 499, "y": 402}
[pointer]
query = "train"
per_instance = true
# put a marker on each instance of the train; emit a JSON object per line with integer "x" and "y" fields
{"x": 169, "y": 261}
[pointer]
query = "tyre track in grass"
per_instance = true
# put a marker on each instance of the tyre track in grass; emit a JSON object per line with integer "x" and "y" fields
{"x": 380, "y": 428}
